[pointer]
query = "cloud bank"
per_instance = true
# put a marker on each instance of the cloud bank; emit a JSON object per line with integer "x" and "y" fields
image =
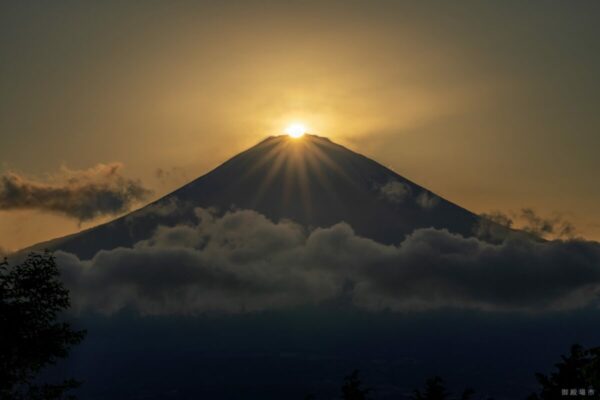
{"x": 81, "y": 194}
{"x": 242, "y": 261}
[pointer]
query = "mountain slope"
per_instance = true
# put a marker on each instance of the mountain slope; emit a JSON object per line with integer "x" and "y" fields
{"x": 312, "y": 181}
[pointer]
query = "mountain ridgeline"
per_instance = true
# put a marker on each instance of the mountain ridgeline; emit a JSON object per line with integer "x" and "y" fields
{"x": 311, "y": 181}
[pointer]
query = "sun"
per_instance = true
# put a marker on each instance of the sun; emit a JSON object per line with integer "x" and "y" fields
{"x": 296, "y": 130}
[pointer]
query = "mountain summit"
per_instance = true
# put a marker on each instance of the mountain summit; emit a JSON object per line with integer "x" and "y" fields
{"x": 311, "y": 181}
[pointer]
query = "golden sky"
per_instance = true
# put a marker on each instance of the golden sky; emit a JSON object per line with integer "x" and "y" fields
{"x": 492, "y": 106}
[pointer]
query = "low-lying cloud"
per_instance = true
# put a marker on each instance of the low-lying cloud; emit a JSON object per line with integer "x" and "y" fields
{"x": 81, "y": 194}
{"x": 242, "y": 261}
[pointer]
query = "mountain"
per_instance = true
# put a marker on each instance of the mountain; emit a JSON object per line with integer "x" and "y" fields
{"x": 311, "y": 181}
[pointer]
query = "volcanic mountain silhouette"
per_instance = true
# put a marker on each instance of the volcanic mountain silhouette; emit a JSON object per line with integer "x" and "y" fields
{"x": 311, "y": 181}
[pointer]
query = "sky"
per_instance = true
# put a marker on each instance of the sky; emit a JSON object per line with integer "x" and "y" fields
{"x": 490, "y": 105}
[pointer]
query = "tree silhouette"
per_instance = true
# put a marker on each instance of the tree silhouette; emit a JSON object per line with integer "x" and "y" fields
{"x": 31, "y": 300}
{"x": 578, "y": 371}
{"x": 436, "y": 390}
{"x": 352, "y": 388}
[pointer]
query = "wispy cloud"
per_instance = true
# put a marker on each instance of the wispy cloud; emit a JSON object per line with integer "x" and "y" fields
{"x": 526, "y": 220}
{"x": 173, "y": 175}
{"x": 427, "y": 200}
{"x": 398, "y": 192}
{"x": 555, "y": 226}
{"x": 81, "y": 194}
{"x": 395, "y": 191}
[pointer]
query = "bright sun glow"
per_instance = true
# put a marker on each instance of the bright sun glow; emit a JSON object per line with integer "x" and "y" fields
{"x": 295, "y": 130}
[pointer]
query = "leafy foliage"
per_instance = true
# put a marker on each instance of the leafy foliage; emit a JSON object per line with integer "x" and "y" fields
{"x": 579, "y": 370}
{"x": 352, "y": 388}
{"x": 31, "y": 300}
{"x": 436, "y": 390}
